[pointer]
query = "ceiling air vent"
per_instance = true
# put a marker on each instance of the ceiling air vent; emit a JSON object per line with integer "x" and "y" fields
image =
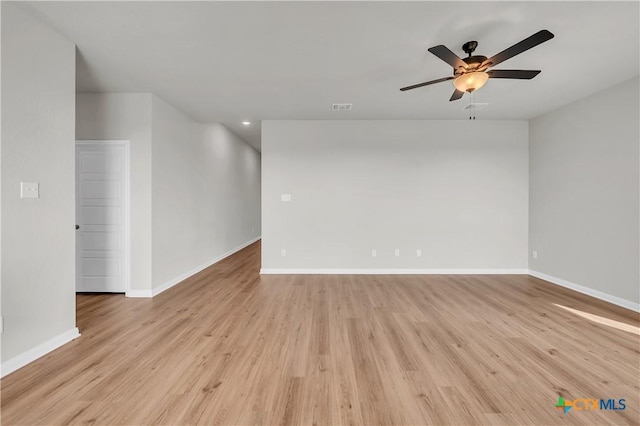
{"x": 341, "y": 107}
{"x": 475, "y": 105}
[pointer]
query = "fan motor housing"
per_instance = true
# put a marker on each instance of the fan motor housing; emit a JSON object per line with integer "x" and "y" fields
{"x": 473, "y": 64}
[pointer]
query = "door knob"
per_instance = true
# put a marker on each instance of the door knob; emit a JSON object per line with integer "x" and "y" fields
{"x": 77, "y": 226}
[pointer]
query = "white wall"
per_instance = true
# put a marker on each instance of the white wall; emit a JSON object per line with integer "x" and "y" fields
{"x": 206, "y": 193}
{"x": 126, "y": 116}
{"x": 584, "y": 217}
{"x": 1, "y": 317}
{"x": 38, "y": 235}
{"x": 457, "y": 190}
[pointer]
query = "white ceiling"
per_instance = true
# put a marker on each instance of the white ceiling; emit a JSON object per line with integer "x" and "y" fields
{"x": 234, "y": 61}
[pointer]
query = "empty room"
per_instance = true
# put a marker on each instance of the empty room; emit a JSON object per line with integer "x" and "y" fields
{"x": 320, "y": 213}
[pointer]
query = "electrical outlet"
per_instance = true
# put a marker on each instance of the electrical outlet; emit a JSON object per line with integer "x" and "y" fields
{"x": 396, "y": 252}
{"x": 418, "y": 253}
{"x": 374, "y": 253}
{"x": 283, "y": 252}
{"x": 534, "y": 254}
{"x": 29, "y": 190}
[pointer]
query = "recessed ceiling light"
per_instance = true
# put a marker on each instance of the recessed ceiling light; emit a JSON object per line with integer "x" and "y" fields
{"x": 246, "y": 123}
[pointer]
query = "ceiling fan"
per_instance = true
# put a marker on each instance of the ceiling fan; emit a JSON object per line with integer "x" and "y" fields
{"x": 471, "y": 73}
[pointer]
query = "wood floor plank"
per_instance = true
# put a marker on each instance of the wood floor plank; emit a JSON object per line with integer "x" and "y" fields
{"x": 228, "y": 346}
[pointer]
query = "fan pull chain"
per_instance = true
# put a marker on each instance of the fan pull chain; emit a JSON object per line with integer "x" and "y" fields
{"x": 472, "y": 110}
{"x": 474, "y": 104}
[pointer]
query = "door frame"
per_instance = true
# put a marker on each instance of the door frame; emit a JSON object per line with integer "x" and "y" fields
{"x": 127, "y": 202}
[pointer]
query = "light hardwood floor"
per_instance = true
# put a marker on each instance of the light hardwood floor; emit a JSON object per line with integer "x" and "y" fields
{"x": 229, "y": 346}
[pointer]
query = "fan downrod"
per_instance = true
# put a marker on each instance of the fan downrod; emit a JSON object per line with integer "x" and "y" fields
{"x": 469, "y": 47}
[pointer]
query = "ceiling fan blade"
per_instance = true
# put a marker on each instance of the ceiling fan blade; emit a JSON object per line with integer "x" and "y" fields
{"x": 448, "y": 56}
{"x": 519, "y": 74}
{"x": 456, "y": 95}
{"x": 426, "y": 83}
{"x": 526, "y": 44}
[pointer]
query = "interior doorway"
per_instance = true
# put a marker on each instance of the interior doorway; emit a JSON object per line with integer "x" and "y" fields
{"x": 102, "y": 216}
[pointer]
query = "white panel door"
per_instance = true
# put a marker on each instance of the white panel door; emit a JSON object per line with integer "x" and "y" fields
{"x": 101, "y": 215}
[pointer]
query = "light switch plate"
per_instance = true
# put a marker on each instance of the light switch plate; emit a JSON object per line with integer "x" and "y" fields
{"x": 285, "y": 197}
{"x": 29, "y": 190}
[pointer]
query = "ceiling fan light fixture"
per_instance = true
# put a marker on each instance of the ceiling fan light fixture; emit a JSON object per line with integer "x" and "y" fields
{"x": 470, "y": 81}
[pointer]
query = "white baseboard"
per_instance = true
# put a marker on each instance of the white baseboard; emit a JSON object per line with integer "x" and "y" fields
{"x": 554, "y": 280}
{"x": 588, "y": 291}
{"x": 303, "y": 271}
{"x": 139, "y": 293}
{"x": 41, "y": 350}
{"x": 167, "y": 285}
